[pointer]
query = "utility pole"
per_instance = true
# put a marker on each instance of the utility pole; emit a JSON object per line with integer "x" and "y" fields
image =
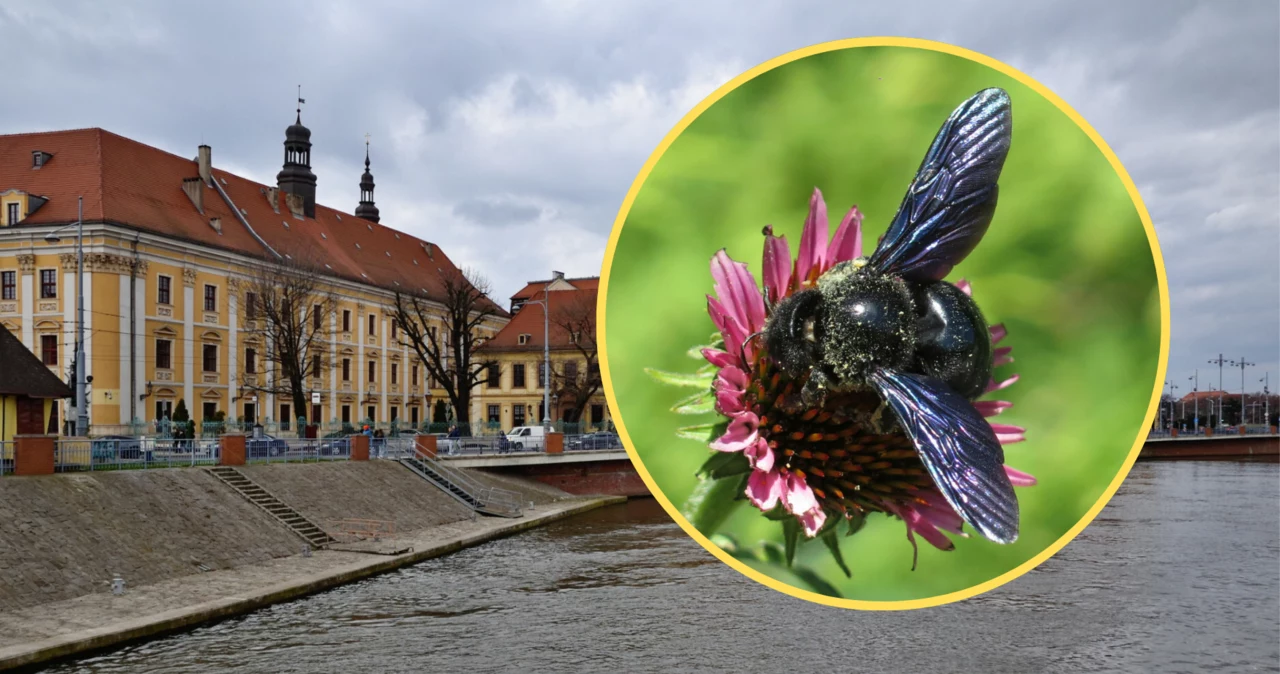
{"x": 1172, "y": 388}
{"x": 82, "y": 411}
{"x": 1242, "y": 365}
{"x": 1195, "y": 393}
{"x": 1266, "y": 399}
{"x": 1219, "y": 362}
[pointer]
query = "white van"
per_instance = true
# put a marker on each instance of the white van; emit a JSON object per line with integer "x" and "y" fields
{"x": 527, "y": 437}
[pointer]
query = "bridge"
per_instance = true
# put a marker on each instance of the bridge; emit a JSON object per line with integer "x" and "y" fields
{"x": 1260, "y": 447}
{"x": 605, "y": 471}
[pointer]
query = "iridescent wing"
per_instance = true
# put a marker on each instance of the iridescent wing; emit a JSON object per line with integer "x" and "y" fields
{"x": 958, "y": 448}
{"x": 950, "y": 202}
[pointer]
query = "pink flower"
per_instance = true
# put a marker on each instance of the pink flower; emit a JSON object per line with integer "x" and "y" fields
{"x": 834, "y": 452}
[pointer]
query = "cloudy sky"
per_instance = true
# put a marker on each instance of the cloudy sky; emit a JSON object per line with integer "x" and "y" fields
{"x": 509, "y": 132}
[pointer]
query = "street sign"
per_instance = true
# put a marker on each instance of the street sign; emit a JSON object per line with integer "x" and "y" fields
{"x": 315, "y": 397}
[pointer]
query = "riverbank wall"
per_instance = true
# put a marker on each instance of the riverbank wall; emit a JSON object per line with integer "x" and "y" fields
{"x": 191, "y": 550}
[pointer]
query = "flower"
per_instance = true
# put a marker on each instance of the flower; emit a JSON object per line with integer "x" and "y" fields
{"x": 820, "y": 463}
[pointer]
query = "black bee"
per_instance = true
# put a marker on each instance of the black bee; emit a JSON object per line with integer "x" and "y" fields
{"x": 890, "y": 324}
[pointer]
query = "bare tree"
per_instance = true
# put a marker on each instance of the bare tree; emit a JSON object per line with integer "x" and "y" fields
{"x": 450, "y": 353}
{"x": 577, "y": 380}
{"x": 288, "y": 306}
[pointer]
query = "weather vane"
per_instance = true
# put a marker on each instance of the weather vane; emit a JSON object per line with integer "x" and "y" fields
{"x": 301, "y": 100}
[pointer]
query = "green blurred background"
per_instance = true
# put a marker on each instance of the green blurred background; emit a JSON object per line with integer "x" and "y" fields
{"x": 1066, "y": 265}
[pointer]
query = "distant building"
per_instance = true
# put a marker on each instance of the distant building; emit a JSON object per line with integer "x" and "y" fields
{"x": 29, "y": 392}
{"x": 170, "y": 243}
{"x": 517, "y": 397}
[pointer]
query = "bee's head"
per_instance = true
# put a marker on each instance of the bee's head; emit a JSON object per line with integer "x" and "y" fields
{"x": 793, "y": 336}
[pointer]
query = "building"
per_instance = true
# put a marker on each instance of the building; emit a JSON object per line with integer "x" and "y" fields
{"x": 171, "y": 245}
{"x": 514, "y": 395}
{"x": 29, "y": 391}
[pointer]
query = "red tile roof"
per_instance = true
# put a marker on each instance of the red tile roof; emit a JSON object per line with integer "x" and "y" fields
{"x": 535, "y": 287}
{"x": 1205, "y": 395}
{"x": 135, "y": 185}
{"x": 529, "y": 318}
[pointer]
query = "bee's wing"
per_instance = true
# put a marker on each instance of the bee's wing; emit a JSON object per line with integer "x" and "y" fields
{"x": 959, "y": 449}
{"x": 953, "y": 196}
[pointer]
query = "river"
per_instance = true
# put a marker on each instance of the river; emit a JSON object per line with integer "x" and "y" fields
{"x": 1180, "y": 573}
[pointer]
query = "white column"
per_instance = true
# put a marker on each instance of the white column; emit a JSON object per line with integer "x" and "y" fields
{"x": 386, "y": 368}
{"x": 28, "y": 311}
{"x": 67, "y": 294}
{"x": 334, "y": 359}
{"x": 140, "y": 341}
{"x": 361, "y": 373}
{"x": 189, "y": 346}
{"x": 122, "y": 326}
{"x": 88, "y": 340}
{"x": 233, "y": 332}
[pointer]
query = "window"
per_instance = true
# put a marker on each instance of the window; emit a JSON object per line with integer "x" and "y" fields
{"x": 346, "y": 414}
{"x": 210, "y": 357}
{"x": 346, "y": 369}
{"x": 395, "y": 413}
{"x": 284, "y": 416}
{"x": 8, "y": 285}
{"x": 251, "y": 360}
{"x": 346, "y": 320}
{"x": 593, "y": 372}
{"x": 571, "y": 371}
{"x": 315, "y": 414}
{"x": 315, "y": 366}
{"x": 495, "y": 412}
{"x": 524, "y": 339}
{"x": 250, "y": 413}
{"x": 48, "y": 284}
{"x": 414, "y": 416}
{"x": 13, "y": 214}
{"x": 597, "y": 414}
{"x": 164, "y": 409}
{"x": 162, "y": 291}
{"x": 373, "y": 368}
{"x": 415, "y": 381}
{"x": 395, "y": 328}
{"x": 371, "y": 413}
{"x": 517, "y": 377}
{"x": 164, "y": 357}
{"x": 315, "y": 317}
{"x": 49, "y": 349}
{"x": 210, "y": 410}
{"x": 210, "y": 298}
{"x": 394, "y": 372}
{"x": 373, "y": 324}
{"x": 495, "y": 375}
{"x": 517, "y": 415}
{"x": 250, "y": 306}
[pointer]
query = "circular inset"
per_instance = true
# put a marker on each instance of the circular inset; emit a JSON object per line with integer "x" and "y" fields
{"x": 845, "y": 435}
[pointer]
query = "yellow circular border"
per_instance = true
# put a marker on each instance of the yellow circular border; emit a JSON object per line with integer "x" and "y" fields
{"x": 601, "y": 310}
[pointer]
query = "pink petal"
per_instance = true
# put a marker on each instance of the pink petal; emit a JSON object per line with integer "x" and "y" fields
{"x": 846, "y": 244}
{"x": 813, "y": 241}
{"x": 812, "y": 521}
{"x": 916, "y": 522}
{"x": 731, "y": 379}
{"x": 721, "y": 358}
{"x": 965, "y": 287}
{"x": 800, "y": 498}
{"x": 760, "y": 455}
{"x": 730, "y": 403}
{"x": 777, "y": 264}
{"x": 736, "y": 288}
{"x": 990, "y": 408}
{"x": 740, "y": 434}
{"x": 730, "y": 328}
{"x": 1001, "y": 356}
{"x": 764, "y": 489}
{"x": 993, "y": 386}
{"x": 1019, "y": 478}
{"x": 1007, "y": 434}
{"x": 998, "y": 332}
{"x": 938, "y": 512}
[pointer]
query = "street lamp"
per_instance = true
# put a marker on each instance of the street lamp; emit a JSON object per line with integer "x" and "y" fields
{"x": 1195, "y": 393}
{"x": 82, "y": 414}
{"x": 1242, "y": 365}
{"x": 546, "y": 352}
{"x": 1172, "y": 388}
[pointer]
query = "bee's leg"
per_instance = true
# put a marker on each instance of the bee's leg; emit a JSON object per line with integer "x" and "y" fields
{"x": 814, "y": 393}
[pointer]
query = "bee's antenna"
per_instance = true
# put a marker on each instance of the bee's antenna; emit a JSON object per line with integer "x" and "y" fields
{"x": 746, "y": 341}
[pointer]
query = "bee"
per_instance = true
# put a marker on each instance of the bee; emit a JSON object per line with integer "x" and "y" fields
{"x": 889, "y": 324}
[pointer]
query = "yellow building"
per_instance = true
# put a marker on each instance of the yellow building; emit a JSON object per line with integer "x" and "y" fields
{"x": 170, "y": 248}
{"x": 514, "y": 397}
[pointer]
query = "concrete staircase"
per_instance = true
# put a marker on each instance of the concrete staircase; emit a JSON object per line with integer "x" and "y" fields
{"x": 312, "y": 534}
{"x": 481, "y": 499}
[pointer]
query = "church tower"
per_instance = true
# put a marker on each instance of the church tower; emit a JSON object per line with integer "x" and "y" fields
{"x": 367, "y": 209}
{"x": 296, "y": 177}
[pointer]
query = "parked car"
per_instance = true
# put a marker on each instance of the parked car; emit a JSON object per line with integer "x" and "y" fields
{"x": 601, "y": 440}
{"x": 527, "y": 437}
{"x": 265, "y": 445}
{"x": 109, "y": 448}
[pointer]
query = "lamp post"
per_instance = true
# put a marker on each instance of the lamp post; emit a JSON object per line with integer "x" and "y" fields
{"x": 1266, "y": 399}
{"x": 546, "y": 354}
{"x": 1242, "y": 364}
{"x": 1195, "y": 393}
{"x": 82, "y": 414}
{"x": 1219, "y": 361}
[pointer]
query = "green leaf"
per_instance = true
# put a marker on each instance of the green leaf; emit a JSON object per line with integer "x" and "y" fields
{"x": 710, "y": 504}
{"x": 772, "y": 552}
{"x": 698, "y": 403}
{"x": 791, "y": 533}
{"x": 816, "y": 583}
{"x": 725, "y": 542}
{"x": 856, "y": 520}
{"x": 833, "y": 544}
{"x": 779, "y": 513}
{"x": 681, "y": 378}
{"x": 724, "y": 464}
{"x": 697, "y": 432}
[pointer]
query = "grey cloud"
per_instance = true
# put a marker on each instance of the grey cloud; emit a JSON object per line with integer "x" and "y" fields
{"x": 490, "y": 212}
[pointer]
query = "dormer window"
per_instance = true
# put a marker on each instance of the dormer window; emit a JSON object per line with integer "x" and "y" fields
{"x": 39, "y": 158}
{"x": 524, "y": 339}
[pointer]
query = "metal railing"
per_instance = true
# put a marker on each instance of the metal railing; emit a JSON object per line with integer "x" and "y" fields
{"x": 1221, "y": 431}
{"x": 486, "y": 497}
{"x": 296, "y": 450}
{"x": 132, "y": 453}
{"x": 6, "y": 457}
{"x": 475, "y": 446}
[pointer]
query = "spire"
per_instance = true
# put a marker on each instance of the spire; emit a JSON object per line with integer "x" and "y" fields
{"x": 366, "y": 209}
{"x": 296, "y": 177}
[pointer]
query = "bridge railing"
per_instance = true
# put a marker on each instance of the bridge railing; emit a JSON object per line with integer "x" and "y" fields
{"x": 6, "y": 457}
{"x": 296, "y": 450}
